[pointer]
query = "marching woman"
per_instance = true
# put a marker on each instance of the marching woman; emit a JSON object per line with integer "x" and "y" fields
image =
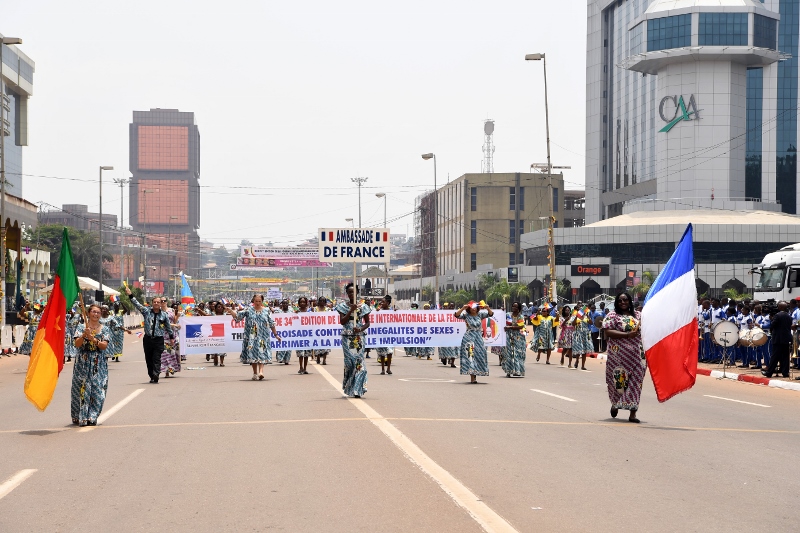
{"x": 31, "y": 315}
{"x": 474, "y": 361}
{"x": 73, "y": 320}
{"x": 256, "y": 348}
{"x": 283, "y": 356}
{"x": 116, "y": 327}
{"x": 582, "y": 339}
{"x": 219, "y": 358}
{"x": 303, "y": 355}
{"x": 514, "y": 352}
{"x": 170, "y": 357}
{"x": 322, "y": 307}
{"x": 625, "y": 367}
{"x": 354, "y": 319}
{"x": 90, "y": 373}
{"x": 447, "y": 354}
{"x": 385, "y": 352}
{"x": 543, "y": 338}
{"x": 567, "y": 334}
{"x": 424, "y": 351}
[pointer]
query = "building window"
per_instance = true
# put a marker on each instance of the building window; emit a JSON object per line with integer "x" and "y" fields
{"x": 753, "y": 113}
{"x": 722, "y": 29}
{"x": 512, "y": 232}
{"x": 670, "y": 32}
{"x": 473, "y": 232}
{"x": 473, "y": 262}
{"x": 765, "y": 32}
{"x": 521, "y": 228}
{"x": 522, "y": 198}
{"x": 473, "y": 198}
{"x": 521, "y": 258}
{"x": 555, "y": 200}
{"x": 512, "y": 259}
{"x": 786, "y": 123}
{"x": 512, "y": 199}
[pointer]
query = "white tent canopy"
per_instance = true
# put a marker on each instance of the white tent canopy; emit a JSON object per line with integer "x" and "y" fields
{"x": 86, "y": 284}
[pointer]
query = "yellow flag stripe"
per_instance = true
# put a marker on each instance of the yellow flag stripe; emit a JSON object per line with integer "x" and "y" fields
{"x": 42, "y": 376}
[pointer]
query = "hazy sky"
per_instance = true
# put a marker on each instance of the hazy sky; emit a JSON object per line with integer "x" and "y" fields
{"x": 295, "y": 98}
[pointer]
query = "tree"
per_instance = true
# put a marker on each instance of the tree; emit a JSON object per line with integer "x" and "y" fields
{"x": 85, "y": 247}
{"x": 733, "y": 294}
{"x": 459, "y": 298}
{"x": 643, "y": 287}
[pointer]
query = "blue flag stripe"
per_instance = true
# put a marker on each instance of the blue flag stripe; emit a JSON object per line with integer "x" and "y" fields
{"x": 681, "y": 262}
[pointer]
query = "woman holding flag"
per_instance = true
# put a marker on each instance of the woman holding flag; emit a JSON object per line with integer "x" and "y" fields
{"x": 625, "y": 367}
{"x": 474, "y": 360}
{"x": 514, "y": 356}
{"x": 354, "y": 319}
{"x": 90, "y": 372}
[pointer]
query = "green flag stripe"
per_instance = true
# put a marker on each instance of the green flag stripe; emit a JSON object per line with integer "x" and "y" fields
{"x": 66, "y": 272}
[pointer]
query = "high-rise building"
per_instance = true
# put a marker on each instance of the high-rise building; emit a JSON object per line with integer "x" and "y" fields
{"x": 691, "y": 104}
{"x": 165, "y": 189}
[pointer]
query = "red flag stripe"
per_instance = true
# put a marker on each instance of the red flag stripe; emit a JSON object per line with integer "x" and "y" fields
{"x": 673, "y": 362}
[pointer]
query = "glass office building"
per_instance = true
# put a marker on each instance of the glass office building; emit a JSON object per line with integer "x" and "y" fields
{"x": 17, "y": 75}
{"x": 654, "y": 62}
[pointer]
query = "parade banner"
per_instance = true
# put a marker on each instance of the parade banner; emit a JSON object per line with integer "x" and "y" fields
{"x": 346, "y": 245}
{"x": 245, "y": 263}
{"x": 309, "y": 331}
{"x": 273, "y": 252}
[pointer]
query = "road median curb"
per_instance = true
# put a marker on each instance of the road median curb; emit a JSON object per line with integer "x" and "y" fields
{"x": 775, "y": 383}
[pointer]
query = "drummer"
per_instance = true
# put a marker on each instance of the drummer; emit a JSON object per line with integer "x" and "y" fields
{"x": 746, "y": 323}
{"x": 717, "y": 316}
{"x": 764, "y": 322}
{"x": 704, "y": 324}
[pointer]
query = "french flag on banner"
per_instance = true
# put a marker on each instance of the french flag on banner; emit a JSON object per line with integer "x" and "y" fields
{"x": 381, "y": 236}
{"x": 669, "y": 324}
{"x": 327, "y": 236}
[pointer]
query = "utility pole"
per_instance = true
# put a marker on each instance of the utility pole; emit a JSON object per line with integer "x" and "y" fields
{"x": 121, "y": 182}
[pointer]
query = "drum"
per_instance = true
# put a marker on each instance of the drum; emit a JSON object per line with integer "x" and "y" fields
{"x": 726, "y": 334}
{"x": 753, "y": 338}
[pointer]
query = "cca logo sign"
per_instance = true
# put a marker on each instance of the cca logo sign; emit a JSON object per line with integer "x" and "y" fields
{"x": 681, "y": 111}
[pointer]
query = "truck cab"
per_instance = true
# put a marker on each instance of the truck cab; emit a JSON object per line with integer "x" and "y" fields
{"x": 779, "y": 275}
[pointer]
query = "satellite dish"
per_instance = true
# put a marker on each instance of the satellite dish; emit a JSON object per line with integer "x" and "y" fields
{"x": 488, "y": 127}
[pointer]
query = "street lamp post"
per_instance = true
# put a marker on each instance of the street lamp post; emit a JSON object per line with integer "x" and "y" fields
{"x": 355, "y": 283}
{"x": 121, "y": 182}
{"x": 435, "y": 229}
{"x": 551, "y": 240}
{"x": 3, "y": 41}
{"x": 144, "y": 238}
{"x": 100, "y": 280}
{"x": 169, "y": 246}
{"x": 386, "y": 265}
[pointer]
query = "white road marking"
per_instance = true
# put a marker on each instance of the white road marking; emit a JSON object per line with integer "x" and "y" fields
{"x": 427, "y": 380}
{"x": 554, "y": 395}
{"x": 737, "y": 401}
{"x": 108, "y": 414}
{"x": 15, "y": 481}
{"x": 489, "y": 520}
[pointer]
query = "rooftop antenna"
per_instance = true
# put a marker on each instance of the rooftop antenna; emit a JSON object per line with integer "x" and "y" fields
{"x": 487, "y": 165}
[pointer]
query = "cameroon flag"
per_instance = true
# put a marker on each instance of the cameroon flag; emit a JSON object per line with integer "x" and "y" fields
{"x": 47, "y": 354}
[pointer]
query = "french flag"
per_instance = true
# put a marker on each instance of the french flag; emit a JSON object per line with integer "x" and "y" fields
{"x": 669, "y": 324}
{"x": 327, "y": 236}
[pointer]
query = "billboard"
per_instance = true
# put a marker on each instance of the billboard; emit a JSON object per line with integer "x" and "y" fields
{"x": 253, "y": 252}
{"x": 281, "y": 262}
{"x": 359, "y": 245}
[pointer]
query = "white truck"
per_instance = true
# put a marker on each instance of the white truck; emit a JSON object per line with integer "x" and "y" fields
{"x": 779, "y": 275}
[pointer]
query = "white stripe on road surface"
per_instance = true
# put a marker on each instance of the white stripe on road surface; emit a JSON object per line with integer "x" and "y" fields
{"x": 480, "y": 512}
{"x": 15, "y": 481}
{"x": 108, "y": 414}
{"x": 554, "y": 395}
{"x": 737, "y": 401}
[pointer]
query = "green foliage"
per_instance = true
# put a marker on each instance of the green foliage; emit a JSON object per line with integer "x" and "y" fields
{"x": 126, "y": 301}
{"x": 85, "y": 247}
{"x": 736, "y": 295}
{"x": 644, "y": 285}
{"x": 459, "y": 298}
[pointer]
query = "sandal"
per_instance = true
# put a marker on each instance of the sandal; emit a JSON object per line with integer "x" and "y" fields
{"x": 388, "y": 371}
{"x": 634, "y": 420}
{"x": 260, "y": 377}
{"x": 222, "y": 364}
{"x": 614, "y": 412}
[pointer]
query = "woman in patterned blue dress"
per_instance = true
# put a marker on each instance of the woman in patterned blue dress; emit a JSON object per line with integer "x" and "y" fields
{"x": 73, "y": 320}
{"x": 256, "y": 347}
{"x": 514, "y": 354}
{"x": 322, "y": 307}
{"x": 31, "y": 315}
{"x": 303, "y": 355}
{"x": 447, "y": 354}
{"x": 582, "y": 339}
{"x": 90, "y": 372}
{"x": 474, "y": 360}
{"x": 116, "y": 326}
{"x": 354, "y": 320}
{"x": 283, "y": 356}
{"x": 424, "y": 351}
{"x": 385, "y": 352}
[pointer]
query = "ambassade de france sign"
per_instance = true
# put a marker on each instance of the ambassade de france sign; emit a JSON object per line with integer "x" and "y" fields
{"x": 360, "y": 245}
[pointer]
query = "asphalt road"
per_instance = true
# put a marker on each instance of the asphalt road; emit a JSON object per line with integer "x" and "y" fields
{"x": 210, "y": 450}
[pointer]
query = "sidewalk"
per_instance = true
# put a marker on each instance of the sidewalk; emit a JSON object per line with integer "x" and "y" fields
{"x": 750, "y": 375}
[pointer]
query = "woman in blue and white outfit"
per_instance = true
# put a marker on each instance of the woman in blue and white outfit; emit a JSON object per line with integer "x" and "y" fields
{"x": 474, "y": 361}
{"x": 283, "y": 356}
{"x": 73, "y": 321}
{"x": 447, "y": 354}
{"x": 90, "y": 372}
{"x": 322, "y": 307}
{"x": 303, "y": 355}
{"x": 354, "y": 319}
{"x": 385, "y": 352}
{"x": 256, "y": 348}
